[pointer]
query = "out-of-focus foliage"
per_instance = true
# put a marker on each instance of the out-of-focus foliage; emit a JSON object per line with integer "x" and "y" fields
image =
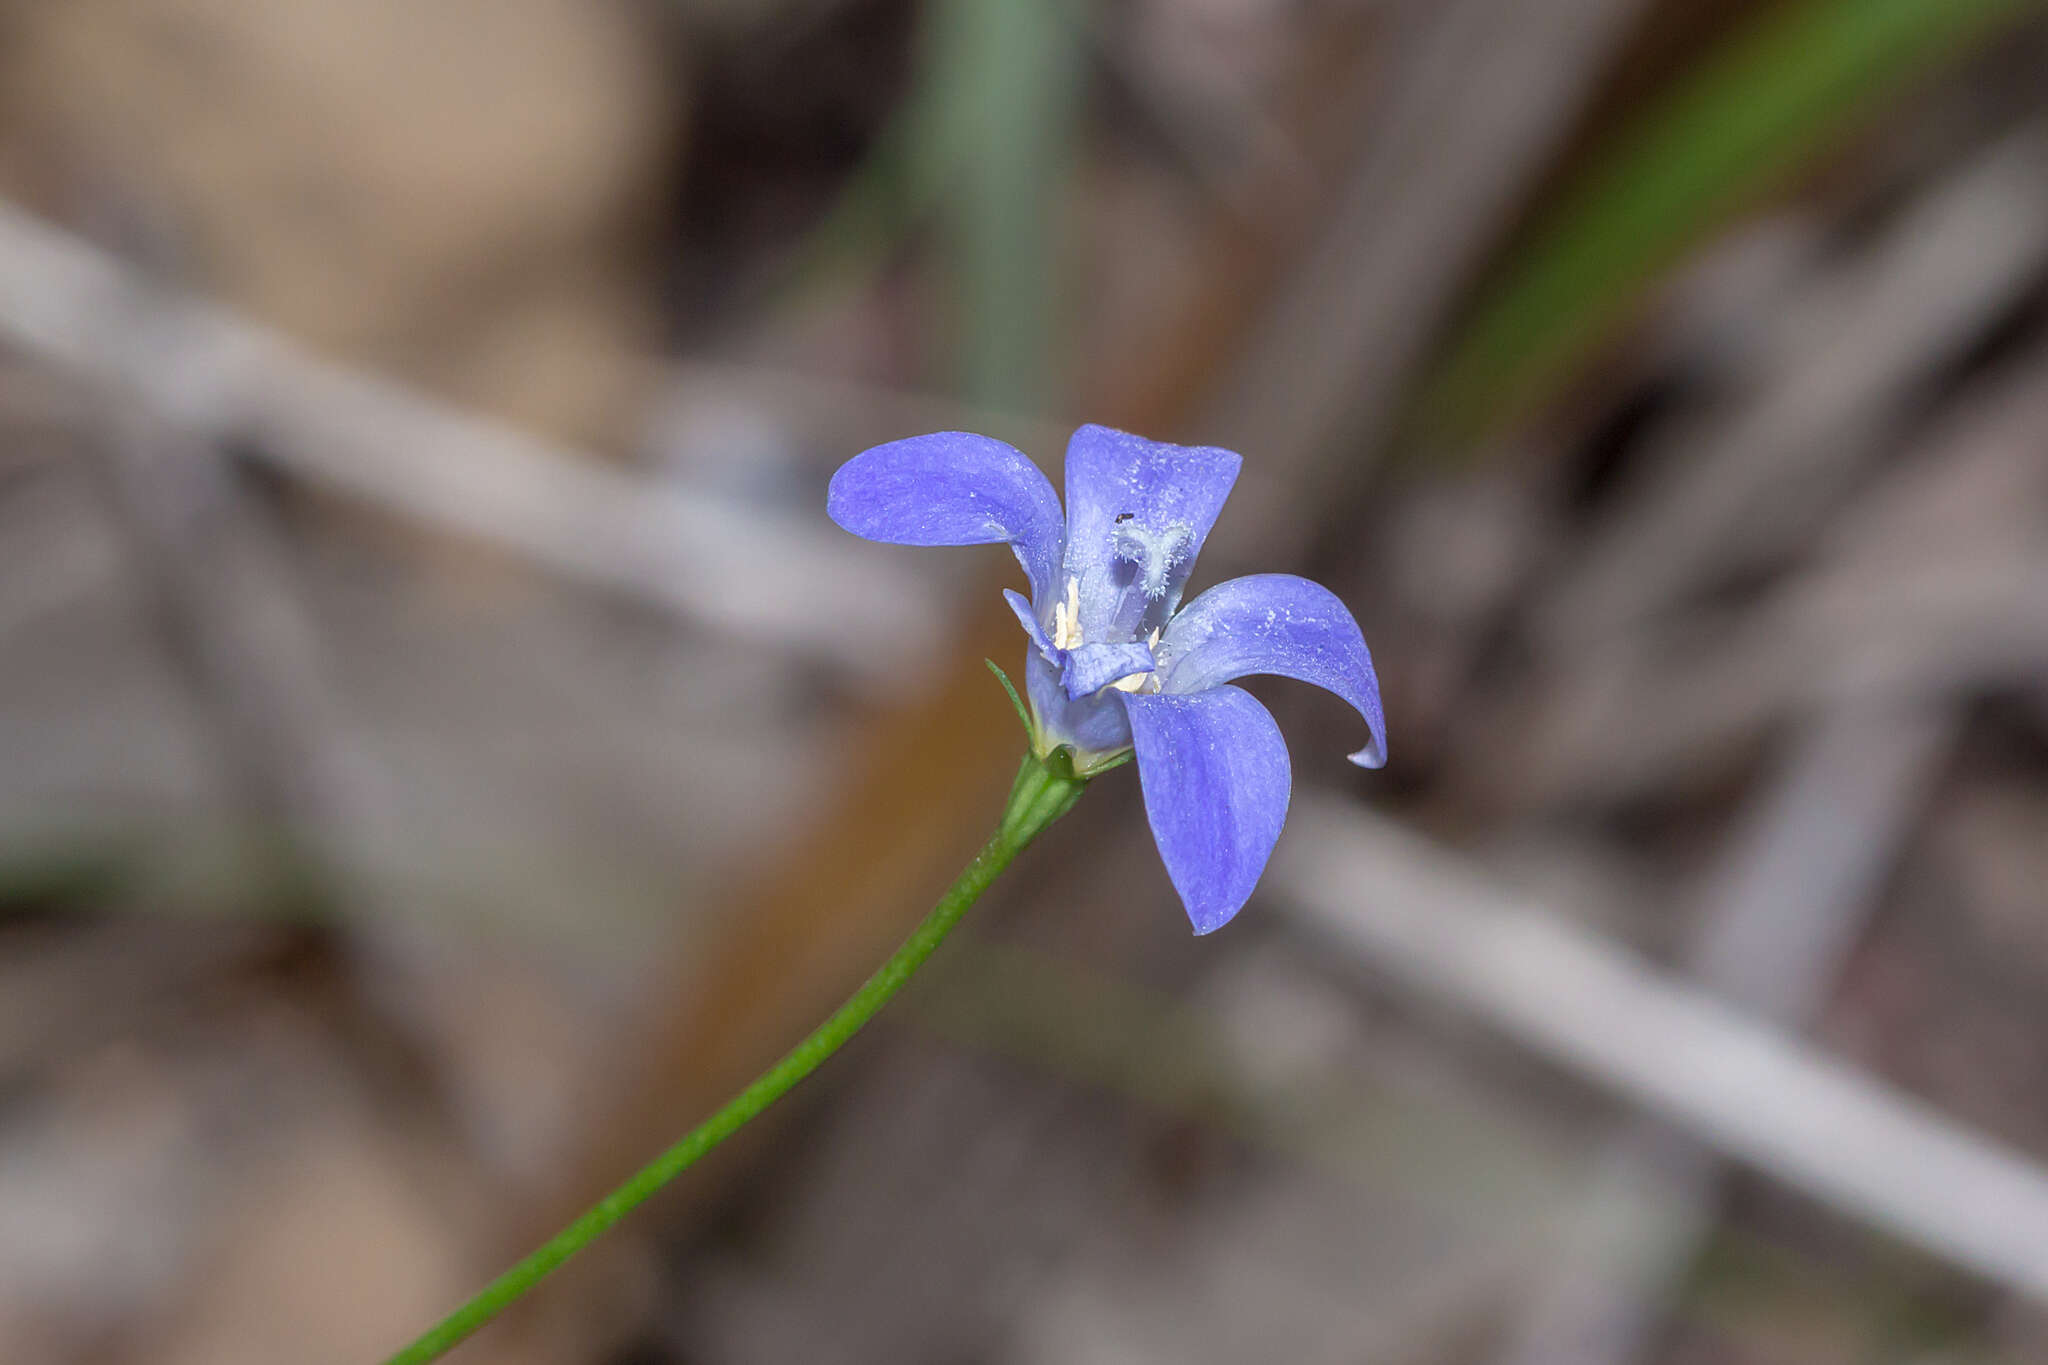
{"x": 981, "y": 144}
{"x": 1004, "y": 79}
{"x": 1779, "y": 93}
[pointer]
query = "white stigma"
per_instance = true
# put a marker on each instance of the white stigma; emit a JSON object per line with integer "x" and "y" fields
{"x": 1066, "y": 618}
{"x": 1156, "y": 554}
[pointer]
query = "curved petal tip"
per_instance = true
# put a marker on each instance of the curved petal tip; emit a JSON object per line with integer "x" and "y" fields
{"x": 1373, "y": 755}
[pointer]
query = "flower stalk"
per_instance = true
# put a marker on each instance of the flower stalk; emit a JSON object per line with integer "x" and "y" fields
{"x": 1045, "y": 789}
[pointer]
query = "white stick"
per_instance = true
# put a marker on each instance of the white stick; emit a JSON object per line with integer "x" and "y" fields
{"x": 1394, "y": 901}
{"x": 718, "y": 563}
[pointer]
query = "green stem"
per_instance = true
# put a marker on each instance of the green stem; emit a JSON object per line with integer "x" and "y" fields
{"x": 1042, "y": 793}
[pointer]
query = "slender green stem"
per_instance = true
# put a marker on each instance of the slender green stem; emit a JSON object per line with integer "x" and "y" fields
{"x": 1042, "y": 793}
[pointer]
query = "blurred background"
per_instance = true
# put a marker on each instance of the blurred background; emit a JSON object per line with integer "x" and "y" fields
{"x": 444, "y": 747}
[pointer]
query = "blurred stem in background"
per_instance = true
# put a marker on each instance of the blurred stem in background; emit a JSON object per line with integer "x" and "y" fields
{"x": 983, "y": 144}
{"x": 1782, "y": 91}
{"x": 1002, "y": 83}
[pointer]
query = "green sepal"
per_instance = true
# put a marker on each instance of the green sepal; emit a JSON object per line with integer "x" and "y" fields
{"x": 1060, "y": 763}
{"x": 1023, "y": 716}
{"x": 1067, "y": 763}
{"x": 1101, "y": 766}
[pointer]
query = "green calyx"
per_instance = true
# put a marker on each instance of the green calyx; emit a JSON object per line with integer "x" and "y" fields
{"x": 1043, "y": 792}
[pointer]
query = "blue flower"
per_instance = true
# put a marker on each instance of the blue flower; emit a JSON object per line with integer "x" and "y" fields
{"x": 1116, "y": 663}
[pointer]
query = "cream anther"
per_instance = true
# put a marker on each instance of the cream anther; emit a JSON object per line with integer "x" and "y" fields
{"x": 1066, "y": 618}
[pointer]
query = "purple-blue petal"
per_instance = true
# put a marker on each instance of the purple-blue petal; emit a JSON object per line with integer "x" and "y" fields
{"x": 1028, "y": 618}
{"x": 1214, "y": 772}
{"x": 1093, "y": 725}
{"x": 1090, "y": 668}
{"x": 953, "y": 488}
{"x": 1275, "y": 623}
{"x": 1125, "y": 493}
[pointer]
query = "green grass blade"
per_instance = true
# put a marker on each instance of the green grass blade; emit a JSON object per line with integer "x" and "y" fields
{"x": 1766, "y": 103}
{"x": 1006, "y": 81}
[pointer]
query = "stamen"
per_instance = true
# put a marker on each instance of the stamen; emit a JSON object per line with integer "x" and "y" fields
{"x": 1066, "y": 618}
{"x": 1141, "y": 682}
